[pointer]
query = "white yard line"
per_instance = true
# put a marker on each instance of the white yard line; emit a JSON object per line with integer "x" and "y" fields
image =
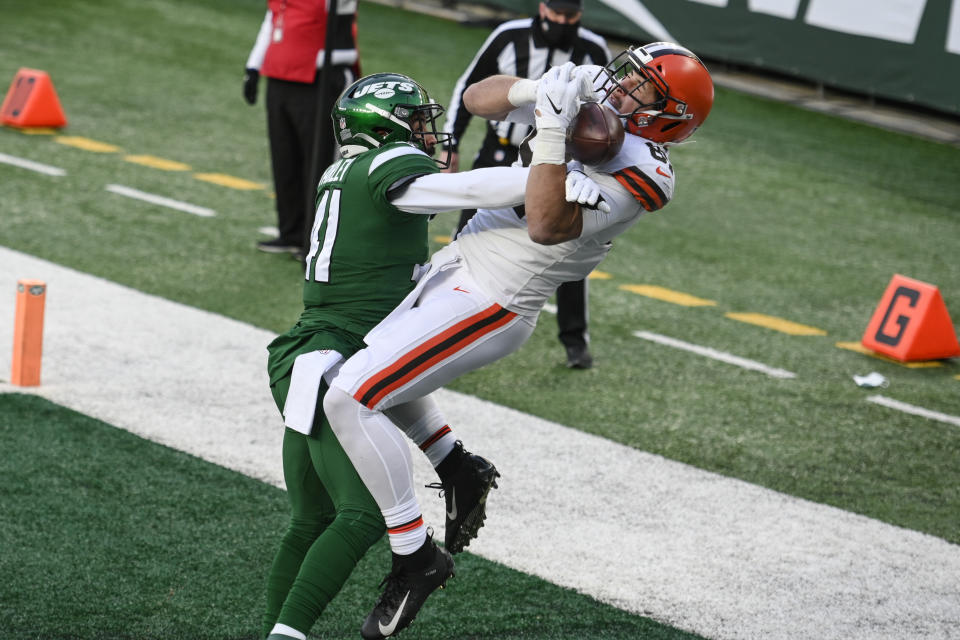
{"x": 915, "y": 410}
{"x": 23, "y": 163}
{"x": 152, "y": 198}
{"x": 702, "y": 552}
{"x": 722, "y": 356}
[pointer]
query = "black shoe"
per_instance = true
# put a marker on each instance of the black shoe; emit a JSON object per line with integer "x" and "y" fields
{"x": 277, "y": 246}
{"x": 465, "y": 492}
{"x": 405, "y": 593}
{"x": 578, "y": 357}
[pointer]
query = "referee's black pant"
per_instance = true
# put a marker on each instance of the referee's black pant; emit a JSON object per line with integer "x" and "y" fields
{"x": 293, "y": 111}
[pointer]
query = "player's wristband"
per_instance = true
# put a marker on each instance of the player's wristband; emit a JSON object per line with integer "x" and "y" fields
{"x": 549, "y": 147}
{"x": 522, "y": 92}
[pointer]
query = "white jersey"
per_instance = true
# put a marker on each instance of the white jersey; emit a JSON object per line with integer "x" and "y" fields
{"x": 477, "y": 303}
{"x": 521, "y": 275}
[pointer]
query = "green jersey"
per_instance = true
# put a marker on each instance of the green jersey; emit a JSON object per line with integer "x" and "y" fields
{"x": 363, "y": 253}
{"x": 363, "y": 250}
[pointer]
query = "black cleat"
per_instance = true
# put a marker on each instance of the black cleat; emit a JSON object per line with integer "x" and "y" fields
{"x": 278, "y": 245}
{"x": 578, "y": 357}
{"x": 465, "y": 492}
{"x": 405, "y": 593}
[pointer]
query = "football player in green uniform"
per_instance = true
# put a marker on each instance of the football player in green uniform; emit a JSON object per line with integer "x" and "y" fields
{"x": 368, "y": 243}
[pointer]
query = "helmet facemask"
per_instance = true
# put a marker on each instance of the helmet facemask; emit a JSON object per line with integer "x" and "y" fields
{"x": 386, "y": 108}
{"x": 425, "y": 133}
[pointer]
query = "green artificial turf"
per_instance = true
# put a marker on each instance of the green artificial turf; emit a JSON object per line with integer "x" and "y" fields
{"x": 109, "y": 536}
{"x": 778, "y": 211}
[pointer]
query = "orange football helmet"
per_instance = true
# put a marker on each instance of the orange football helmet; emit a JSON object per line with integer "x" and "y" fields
{"x": 683, "y": 86}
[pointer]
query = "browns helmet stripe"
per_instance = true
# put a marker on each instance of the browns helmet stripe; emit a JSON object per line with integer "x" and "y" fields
{"x": 657, "y": 49}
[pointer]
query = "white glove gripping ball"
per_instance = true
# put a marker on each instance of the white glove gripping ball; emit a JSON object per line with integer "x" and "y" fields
{"x": 558, "y": 98}
{"x": 582, "y": 189}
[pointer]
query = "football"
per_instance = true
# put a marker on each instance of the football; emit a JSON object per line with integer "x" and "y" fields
{"x": 596, "y": 134}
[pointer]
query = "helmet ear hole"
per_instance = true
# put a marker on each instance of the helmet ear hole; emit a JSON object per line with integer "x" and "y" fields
{"x": 670, "y": 125}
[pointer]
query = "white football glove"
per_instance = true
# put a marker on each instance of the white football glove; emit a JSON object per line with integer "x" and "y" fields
{"x": 560, "y": 92}
{"x": 558, "y": 98}
{"x": 581, "y": 188}
{"x": 584, "y": 76}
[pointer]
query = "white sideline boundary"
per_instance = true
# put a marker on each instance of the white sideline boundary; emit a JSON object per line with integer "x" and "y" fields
{"x": 699, "y": 551}
{"x": 714, "y": 354}
{"x": 30, "y": 165}
{"x": 162, "y": 201}
{"x": 913, "y": 409}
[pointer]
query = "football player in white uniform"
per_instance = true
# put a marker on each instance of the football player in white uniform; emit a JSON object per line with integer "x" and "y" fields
{"x": 482, "y": 295}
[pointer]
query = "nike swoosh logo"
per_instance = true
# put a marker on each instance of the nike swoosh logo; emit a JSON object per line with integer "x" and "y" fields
{"x": 556, "y": 109}
{"x": 459, "y": 289}
{"x": 452, "y": 515}
{"x": 662, "y": 172}
{"x": 387, "y": 630}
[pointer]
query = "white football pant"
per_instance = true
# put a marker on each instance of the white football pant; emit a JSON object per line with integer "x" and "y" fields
{"x": 451, "y": 328}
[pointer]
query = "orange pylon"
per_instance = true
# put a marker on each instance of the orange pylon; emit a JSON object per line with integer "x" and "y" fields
{"x": 32, "y": 101}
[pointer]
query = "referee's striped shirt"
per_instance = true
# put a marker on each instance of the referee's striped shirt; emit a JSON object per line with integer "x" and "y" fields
{"x": 517, "y": 48}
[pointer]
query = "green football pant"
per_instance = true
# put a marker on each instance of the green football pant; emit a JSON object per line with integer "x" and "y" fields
{"x": 333, "y": 521}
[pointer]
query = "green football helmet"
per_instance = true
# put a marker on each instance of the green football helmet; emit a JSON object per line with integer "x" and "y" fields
{"x": 386, "y": 107}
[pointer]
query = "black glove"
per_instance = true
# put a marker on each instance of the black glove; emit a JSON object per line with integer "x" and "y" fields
{"x": 250, "y": 79}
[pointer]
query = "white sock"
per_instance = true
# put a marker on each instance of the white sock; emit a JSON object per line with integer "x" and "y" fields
{"x": 424, "y": 423}
{"x": 405, "y": 528}
{"x": 290, "y": 632}
{"x": 439, "y": 445}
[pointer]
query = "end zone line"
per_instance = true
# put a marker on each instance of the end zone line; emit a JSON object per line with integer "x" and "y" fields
{"x": 160, "y": 200}
{"x": 915, "y": 410}
{"x": 23, "y": 163}
{"x": 716, "y": 355}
